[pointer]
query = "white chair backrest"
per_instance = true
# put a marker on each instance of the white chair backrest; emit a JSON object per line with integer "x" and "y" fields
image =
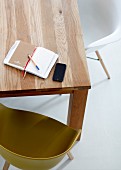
{"x": 99, "y": 18}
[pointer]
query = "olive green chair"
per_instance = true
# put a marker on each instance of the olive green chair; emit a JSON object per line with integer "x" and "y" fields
{"x": 31, "y": 141}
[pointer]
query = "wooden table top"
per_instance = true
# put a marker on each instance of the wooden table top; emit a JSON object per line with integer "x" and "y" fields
{"x": 53, "y": 24}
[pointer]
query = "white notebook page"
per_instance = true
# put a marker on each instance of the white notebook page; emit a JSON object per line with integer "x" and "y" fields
{"x": 44, "y": 59}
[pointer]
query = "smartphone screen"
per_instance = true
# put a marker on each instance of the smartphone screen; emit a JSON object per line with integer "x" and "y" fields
{"x": 59, "y": 72}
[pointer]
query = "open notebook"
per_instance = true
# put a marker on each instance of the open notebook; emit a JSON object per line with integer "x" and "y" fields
{"x": 18, "y": 57}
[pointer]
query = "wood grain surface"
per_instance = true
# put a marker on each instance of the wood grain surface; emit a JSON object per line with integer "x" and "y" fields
{"x": 53, "y": 24}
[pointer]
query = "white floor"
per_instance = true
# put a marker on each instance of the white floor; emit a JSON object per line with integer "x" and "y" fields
{"x": 100, "y": 145}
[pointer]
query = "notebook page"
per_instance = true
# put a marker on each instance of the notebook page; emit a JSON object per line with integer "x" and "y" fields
{"x": 10, "y": 53}
{"x": 45, "y": 59}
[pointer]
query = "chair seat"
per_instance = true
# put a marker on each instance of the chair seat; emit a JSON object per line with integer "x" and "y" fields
{"x": 33, "y": 135}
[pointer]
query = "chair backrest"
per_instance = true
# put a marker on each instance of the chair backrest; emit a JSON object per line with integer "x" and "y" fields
{"x": 99, "y": 18}
{"x": 33, "y": 141}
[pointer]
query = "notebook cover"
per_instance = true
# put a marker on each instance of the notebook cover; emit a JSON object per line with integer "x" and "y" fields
{"x": 20, "y": 56}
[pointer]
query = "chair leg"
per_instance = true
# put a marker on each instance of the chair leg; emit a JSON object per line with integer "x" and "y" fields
{"x": 70, "y": 155}
{"x": 6, "y": 165}
{"x": 102, "y": 63}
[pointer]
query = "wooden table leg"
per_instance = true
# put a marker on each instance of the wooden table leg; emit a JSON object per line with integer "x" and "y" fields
{"x": 76, "y": 110}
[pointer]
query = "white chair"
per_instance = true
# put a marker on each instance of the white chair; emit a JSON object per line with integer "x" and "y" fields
{"x": 101, "y": 24}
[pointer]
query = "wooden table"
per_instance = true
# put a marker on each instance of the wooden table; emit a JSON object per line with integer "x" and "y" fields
{"x": 53, "y": 24}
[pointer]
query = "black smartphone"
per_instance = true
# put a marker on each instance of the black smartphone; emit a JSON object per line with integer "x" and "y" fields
{"x": 59, "y": 72}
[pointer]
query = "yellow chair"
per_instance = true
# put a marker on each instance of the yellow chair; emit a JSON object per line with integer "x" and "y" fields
{"x": 32, "y": 141}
